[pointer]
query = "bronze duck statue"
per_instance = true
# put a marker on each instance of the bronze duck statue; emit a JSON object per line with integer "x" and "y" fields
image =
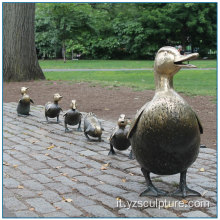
{"x": 52, "y": 110}
{"x": 24, "y": 103}
{"x": 165, "y": 135}
{"x": 92, "y": 126}
{"x": 72, "y": 117}
{"x": 118, "y": 138}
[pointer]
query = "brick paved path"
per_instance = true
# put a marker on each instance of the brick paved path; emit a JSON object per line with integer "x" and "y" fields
{"x": 48, "y": 173}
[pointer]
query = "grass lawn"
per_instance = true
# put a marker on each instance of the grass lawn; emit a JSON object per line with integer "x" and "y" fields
{"x": 191, "y": 82}
{"x": 112, "y": 64}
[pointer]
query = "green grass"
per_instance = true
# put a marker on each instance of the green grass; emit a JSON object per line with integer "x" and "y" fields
{"x": 112, "y": 64}
{"x": 190, "y": 82}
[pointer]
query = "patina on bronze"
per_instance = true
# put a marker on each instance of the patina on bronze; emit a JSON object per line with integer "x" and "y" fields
{"x": 165, "y": 135}
{"x": 72, "y": 117}
{"x": 118, "y": 138}
{"x": 24, "y": 103}
{"x": 92, "y": 126}
{"x": 52, "y": 110}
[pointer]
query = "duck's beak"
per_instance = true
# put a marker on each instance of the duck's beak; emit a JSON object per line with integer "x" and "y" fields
{"x": 182, "y": 58}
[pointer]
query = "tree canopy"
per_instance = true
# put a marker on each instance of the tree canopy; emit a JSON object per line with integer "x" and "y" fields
{"x": 123, "y": 30}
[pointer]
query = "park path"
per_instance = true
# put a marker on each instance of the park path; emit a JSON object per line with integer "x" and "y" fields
{"x": 49, "y": 173}
{"x": 70, "y": 70}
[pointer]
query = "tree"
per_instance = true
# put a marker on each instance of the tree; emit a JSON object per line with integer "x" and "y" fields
{"x": 19, "y": 52}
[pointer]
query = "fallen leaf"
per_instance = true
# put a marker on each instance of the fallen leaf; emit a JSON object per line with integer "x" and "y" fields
{"x": 51, "y": 147}
{"x": 15, "y": 166}
{"x": 124, "y": 180}
{"x": 6, "y": 164}
{"x": 101, "y": 182}
{"x": 20, "y": 187}
{"x": 185, "y": 201}
{"x": 46, "y": 154}
{"x": 74, "y": 179}
{"x": 107, "y": 109}
{"x": 64, "y": 174}
{"x": 31, "y": 209}
{"x": 58, "y": 167}
{"x": 131, "y": 174}
{"x": 202, "y": 170}
{"x": 67, "y": 200}
{"x": 118, "y": 198}
{"x": 57, "y": 208}
{"x": 40, "y": 193}
{"x": 103, "y": 168}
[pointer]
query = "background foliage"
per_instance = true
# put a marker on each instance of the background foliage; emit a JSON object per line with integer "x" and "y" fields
{"x": 123, "y": 30}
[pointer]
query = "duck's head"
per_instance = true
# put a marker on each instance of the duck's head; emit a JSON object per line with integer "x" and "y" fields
{"x": 73, "y": 104}
{"x": 24, "y": 90}
{"x": 57, "y": 97}
{"x": 122, "y": 122}
{"x": 169, "y": 61}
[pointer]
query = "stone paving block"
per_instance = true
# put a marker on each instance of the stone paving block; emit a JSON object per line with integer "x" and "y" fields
{"x": 40, "y": 157}
{"x": 10, "y": 183}
{"x": 85, "y": 190}
{"x": 79, "y": 200}
{"x": 54, "y": 163}
{"x": 109, "y": 201}
{"x": 70, "y": 172}
{"x": 7, "y": 193}
{"x": 89, "y": 180}
{"x": 26, "y": 214}
{"x": 193, "y": 214}
{"x": 25, "y": 193}
{"x": 68, "y": 209}
{"x": 98, "y": 211}
{"x": 50, "y": 196}
{"x": 111, "y": 190}
{"x": 14, "y": 204}
{"x": 27, "y": 170}
{"x": 132, "y": 213}
{"x": 111, "y": 180}
{"x": 33, "y": 184}
{"x": 91, "y": 171}
{"x": 73, "y": 164}
{"x": 212, "y": 211}
{"x": 55, "y": 215}
{"x": 64, "y": 180}
{"x": 59, "y": 187}
{"x": 156, "y": 212}
{"x": 87, "y": 153}
{"x": 41, "y": 178}
{"x": 40, "y": 205}
{"x": 49, "y": 172}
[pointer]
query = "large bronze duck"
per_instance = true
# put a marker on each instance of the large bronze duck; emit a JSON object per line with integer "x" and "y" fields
{"x": 165, "y": 135}
{"x": 92, "y": 126}
{"x": 72, "y": 117}
{"x": 52, "y": 110}
{"x": 24, "y": 103}
{"x": 118, "y": 138}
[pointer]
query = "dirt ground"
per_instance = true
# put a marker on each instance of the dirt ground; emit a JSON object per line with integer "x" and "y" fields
{"x": 109, "y": 102}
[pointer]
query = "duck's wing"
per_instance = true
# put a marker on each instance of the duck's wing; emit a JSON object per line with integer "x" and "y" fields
{"x": 135, "y": 121}
{"x": 113, "y": 133}
{"x": 47, "y": 106}
{"x": 31, "y": 101}
{"x": 199, "y": 123}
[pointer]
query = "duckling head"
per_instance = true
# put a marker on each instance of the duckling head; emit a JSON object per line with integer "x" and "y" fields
{"x": 24, "y": 90}
{"x": 57, "y": 97}
{"x": 122, "y": 122}
{"x": 73, "y": 104}
{"x": 168, "y": 62}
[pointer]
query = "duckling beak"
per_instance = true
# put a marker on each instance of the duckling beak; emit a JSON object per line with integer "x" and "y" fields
{"x": 182, "y": 58}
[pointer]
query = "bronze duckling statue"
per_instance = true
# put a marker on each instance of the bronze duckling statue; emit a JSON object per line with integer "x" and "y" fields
{"x": 165, "y": 135}
{"x": 52, "y": 110}
{"x": 118, "y": 138}
{"x": 72, "y": 117}
{"x": 24, "y": 103}
{"x": 92, "y": 126}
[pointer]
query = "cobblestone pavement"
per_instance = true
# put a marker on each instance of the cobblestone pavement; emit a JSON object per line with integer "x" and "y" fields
{"x": 49, "y": 173}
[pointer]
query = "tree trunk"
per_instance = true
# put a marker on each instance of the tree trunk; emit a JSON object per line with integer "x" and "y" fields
{"x": 20, "y": 61}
